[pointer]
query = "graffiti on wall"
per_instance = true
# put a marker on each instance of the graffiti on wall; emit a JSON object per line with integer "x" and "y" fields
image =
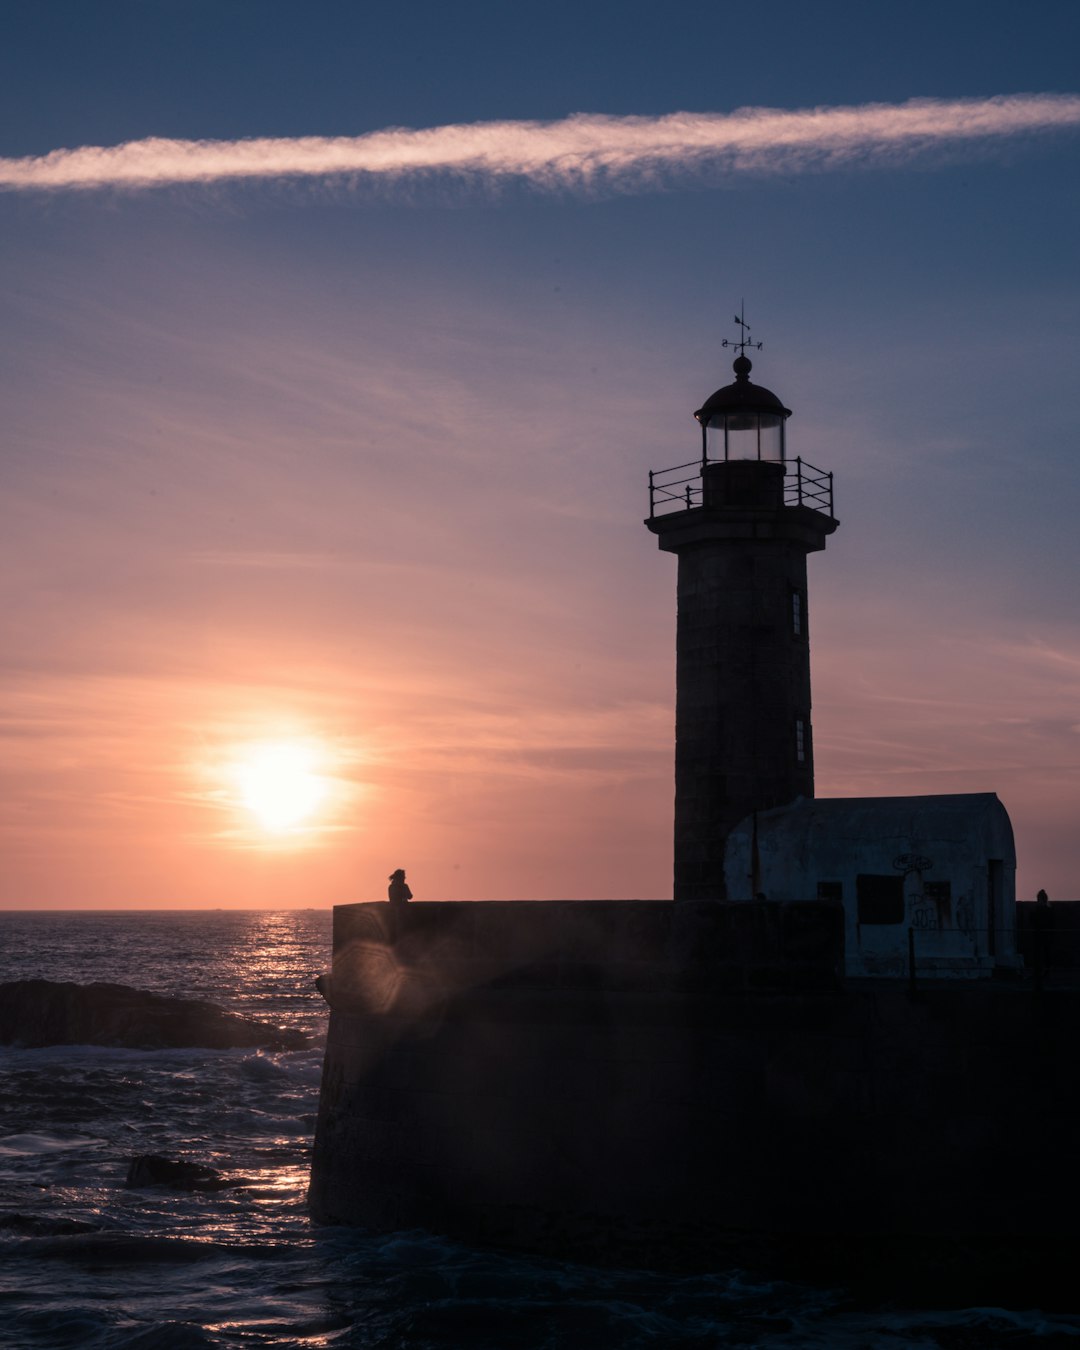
{"x": 912, "y": 862}
{"x": 922, "y": 915}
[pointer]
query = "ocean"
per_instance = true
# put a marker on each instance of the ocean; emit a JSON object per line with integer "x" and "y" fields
{"x": 87, "y": 1262}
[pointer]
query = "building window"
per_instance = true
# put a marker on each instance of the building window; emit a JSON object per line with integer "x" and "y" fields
{"x": 880, "y": 898}
{"x": 800, "y": 740}
{"x": 798, "y": 623}
{"x": 831, "y": 892}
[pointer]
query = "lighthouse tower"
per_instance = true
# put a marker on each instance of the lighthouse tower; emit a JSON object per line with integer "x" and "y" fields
{"x": 741, "y": 520}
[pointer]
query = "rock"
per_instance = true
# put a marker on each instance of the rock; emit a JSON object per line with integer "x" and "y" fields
{"x": 150, "y": 1169}
{"x": 43, "y": 1012}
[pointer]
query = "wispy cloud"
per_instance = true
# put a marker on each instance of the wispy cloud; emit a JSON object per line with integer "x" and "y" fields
{"x": 577, "y": 152}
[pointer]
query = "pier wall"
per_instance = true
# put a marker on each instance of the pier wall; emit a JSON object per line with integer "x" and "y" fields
{"x": 628, "y": 1079}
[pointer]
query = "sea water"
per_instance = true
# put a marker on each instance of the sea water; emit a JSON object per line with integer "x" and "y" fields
{"x": 87, "y": 1262}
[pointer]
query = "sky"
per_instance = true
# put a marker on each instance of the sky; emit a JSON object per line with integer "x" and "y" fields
{"x": 337, "y": 342}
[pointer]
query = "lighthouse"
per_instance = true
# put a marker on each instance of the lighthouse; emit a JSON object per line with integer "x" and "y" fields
{"x": 514, "y": 1072}
{"x": 741, "y": 519}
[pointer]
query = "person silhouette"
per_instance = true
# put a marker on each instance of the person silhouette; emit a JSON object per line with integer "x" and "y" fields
{"x": 398, "y": 892}
{"x": 1040, "y": 934}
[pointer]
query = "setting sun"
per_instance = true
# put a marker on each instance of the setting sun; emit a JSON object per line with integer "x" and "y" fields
{"x": 279, "y": 785}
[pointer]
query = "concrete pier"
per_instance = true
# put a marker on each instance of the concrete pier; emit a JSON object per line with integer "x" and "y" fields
{"x": 639, "y": 1081}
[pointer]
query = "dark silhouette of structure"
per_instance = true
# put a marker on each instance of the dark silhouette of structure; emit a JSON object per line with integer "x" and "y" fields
{"x": 656, "y": 1082}
{"x": 741, "y": 521}
{"x": 926, "y": 879}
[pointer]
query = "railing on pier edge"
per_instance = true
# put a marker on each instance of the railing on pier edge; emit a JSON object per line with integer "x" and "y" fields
{"x": 1039, "y": 949}
{"x": 680, "y": 488}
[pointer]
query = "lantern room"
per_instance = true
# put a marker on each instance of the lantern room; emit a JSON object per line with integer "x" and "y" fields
{"x": 742, "y": 421}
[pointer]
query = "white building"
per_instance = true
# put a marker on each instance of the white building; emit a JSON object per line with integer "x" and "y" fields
{"x": 930, "y": 876}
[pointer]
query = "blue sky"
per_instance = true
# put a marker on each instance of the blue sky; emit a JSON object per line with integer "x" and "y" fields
{"x": 98, "y": 74}
{"x": 361, "y": 459}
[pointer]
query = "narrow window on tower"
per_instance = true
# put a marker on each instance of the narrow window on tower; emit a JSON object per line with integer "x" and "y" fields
{"x": 800, "y": 740}
{"x": 797, "y": 624}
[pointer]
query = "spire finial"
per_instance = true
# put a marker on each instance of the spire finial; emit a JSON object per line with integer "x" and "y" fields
{"x": 742, "y": 361}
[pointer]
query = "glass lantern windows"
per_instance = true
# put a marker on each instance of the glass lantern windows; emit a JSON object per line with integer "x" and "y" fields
{"x": 744, "y": 434}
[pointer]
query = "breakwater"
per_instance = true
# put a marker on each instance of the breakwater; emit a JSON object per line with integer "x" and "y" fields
{"x": 649, "y": 1081}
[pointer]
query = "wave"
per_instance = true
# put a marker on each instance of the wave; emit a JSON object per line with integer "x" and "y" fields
{"x": 166, "y": 1336}
{"x": 118, "y": 1249}
{"x": 31, "y": 1143}
{"x": 263, "y": 1068}
{"x": 41, "y": 1225}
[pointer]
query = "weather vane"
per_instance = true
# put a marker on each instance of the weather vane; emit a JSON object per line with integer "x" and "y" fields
{"x": 744, "y": 341}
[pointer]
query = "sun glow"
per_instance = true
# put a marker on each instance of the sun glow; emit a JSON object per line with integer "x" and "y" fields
{"x": 280, "y": 786}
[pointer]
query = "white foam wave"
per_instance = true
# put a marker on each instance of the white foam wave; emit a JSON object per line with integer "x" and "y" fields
{"x": 30, "y": 1144}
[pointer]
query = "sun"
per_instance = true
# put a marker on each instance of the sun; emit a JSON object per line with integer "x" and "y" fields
{"x": 280, "y": 786}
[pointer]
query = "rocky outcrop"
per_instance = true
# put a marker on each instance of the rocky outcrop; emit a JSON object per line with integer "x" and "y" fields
{"x": 42, "y": 1012}
{"x": 150, "y": 1169}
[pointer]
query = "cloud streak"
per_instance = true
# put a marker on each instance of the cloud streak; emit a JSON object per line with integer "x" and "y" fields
{"x": 578, "y": 152}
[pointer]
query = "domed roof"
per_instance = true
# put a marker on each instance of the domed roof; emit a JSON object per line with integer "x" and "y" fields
{"x": 742, "y": 396}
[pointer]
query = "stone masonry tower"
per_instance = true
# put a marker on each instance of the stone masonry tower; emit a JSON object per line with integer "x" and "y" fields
{"x": 741, "y": 521}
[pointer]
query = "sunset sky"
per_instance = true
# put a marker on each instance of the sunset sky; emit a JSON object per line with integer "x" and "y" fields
{"x": 328, "y": 415}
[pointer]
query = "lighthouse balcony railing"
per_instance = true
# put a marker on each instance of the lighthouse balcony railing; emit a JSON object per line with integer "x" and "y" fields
{"x": 680, "y": 487}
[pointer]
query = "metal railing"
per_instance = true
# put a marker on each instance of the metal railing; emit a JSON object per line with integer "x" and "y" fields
{"x": 680, "y": 487}
{"x": 677, "y": 489}
{"x": 933, "y": 951}
{"x": 812, "y": 487}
